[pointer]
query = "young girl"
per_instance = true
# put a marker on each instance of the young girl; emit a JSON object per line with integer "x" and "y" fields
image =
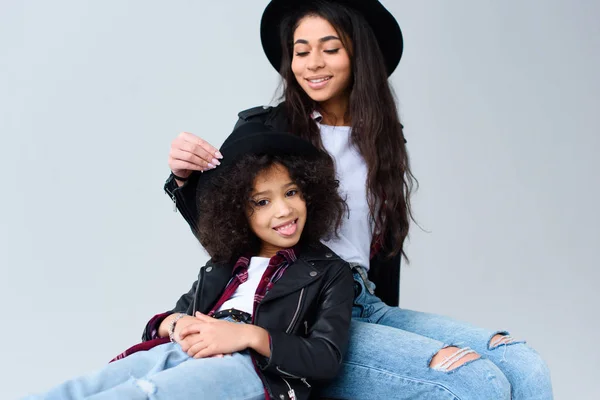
{"x": 335, "y": 57}
{"x": 269, "y": 314}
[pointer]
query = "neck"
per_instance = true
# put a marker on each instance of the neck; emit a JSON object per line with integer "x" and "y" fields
{"x": 334, "y": 112}
{"x": 268, "y": 251}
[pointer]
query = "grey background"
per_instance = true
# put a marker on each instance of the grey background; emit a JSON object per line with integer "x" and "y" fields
{"x": 500, "y": 102}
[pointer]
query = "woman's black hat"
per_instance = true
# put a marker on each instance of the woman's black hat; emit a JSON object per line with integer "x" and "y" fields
{"x": 382, "y": 22}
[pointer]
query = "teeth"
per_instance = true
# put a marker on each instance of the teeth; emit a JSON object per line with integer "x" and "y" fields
{"x": 286, "y": 226}
{"x": 319, "y": 80}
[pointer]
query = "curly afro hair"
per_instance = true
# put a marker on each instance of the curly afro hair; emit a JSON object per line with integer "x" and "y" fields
{"x": 224, "y": 203}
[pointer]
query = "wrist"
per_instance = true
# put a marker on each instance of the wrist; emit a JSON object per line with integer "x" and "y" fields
{"x": 163, "y": 329}
{"x": 172, "y": 324}
{"x": 258, "y": 340}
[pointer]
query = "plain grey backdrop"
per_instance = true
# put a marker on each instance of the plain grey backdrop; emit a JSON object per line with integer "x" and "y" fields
{"x": 500, "y": 101}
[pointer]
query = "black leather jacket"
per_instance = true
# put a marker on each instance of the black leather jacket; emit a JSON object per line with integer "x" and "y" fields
{"x": 383, "y": 271}
{"x": 307, "y": 314}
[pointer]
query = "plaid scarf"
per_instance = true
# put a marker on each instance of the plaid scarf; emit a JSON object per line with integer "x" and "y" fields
{"x": 277, "y": 266}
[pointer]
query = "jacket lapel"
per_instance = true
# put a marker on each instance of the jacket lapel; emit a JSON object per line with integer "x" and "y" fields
{"x": 211, "y": 283}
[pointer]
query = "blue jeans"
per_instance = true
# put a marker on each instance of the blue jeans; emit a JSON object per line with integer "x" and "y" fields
{"x": 391, "y": 349}
{"x": 166, "y": 373}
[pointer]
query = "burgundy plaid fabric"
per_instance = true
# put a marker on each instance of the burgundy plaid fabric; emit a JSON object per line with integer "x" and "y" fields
{"x": 277, "y": 266}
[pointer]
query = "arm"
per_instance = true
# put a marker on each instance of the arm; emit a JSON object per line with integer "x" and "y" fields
{"x": 190, "y": 154}
{"x": 157, "y": 326}
{"x": 318, "y": 356}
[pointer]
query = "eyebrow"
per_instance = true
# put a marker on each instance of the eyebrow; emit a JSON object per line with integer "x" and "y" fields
{"x": 322, "y": 40}
{"x": 269, "y": 191}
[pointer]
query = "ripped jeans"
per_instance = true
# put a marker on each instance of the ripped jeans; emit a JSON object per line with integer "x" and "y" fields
{"x": 165, "y": 372}
{"x": 391, "y": 351}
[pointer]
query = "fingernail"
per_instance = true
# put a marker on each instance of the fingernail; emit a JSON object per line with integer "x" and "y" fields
{"x": 215, "y": 161}
{"x": 219, "y": 155}
{"x": 211, "y": 166}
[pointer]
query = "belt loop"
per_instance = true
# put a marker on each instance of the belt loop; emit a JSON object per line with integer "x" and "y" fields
{"x": 364, "y": 276}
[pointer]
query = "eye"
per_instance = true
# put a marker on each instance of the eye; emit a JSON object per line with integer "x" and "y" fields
{"x": 259, "y": 203}
{"x": 331, "y": 51}
{"x": 301, "y": 53}
{"x": 291, "y": 192}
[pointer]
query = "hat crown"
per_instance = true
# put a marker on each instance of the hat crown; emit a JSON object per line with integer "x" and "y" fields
{"x": 242, "y": 132}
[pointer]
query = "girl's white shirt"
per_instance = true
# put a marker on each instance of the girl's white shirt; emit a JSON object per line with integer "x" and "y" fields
{"x": 243, "y": 298}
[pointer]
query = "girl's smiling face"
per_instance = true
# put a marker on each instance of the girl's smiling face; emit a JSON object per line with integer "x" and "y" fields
{"x": 320, "y": 62}
{"x": 277, "y": 211}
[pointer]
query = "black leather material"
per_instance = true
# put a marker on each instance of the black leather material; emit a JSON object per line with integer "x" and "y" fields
{"x": 384, "y": 272}
{"x": 307, "y": 314}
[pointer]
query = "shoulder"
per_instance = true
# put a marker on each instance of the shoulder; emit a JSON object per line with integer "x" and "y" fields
{"x": 321, "y": 256}
{"x": 259, "y": 111}
{"x": 272, "y": 116}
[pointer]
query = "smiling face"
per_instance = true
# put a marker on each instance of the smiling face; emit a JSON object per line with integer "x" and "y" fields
{"x": 321, "y": 63}
{"x": 277, "y": 211}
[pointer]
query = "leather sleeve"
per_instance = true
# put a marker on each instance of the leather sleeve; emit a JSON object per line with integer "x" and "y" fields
{"x": 319, "y": 355}
{"x": 182, "y": 306}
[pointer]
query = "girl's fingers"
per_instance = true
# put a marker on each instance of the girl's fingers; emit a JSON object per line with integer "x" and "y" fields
{"x": 190, "y": 330}
{"x": 205, "y": 352}
{"x": 195, "y": 349}
{"x": 204, "y": 317}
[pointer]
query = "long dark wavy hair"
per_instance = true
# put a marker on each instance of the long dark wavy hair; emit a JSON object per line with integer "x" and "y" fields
{"x": 224, "y": 203}
{"x": 376, "y": 128}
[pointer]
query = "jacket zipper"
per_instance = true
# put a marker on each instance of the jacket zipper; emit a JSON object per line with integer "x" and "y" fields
{"x": 198, "y": 291}
{"x": 292, "y": 376}
{"x": 173, "y": 197}
{"x": 291, "y": 392}
{"x": 295, "y": 317}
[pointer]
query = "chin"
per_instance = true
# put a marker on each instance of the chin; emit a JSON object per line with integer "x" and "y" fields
{"x": 319, "y": 97}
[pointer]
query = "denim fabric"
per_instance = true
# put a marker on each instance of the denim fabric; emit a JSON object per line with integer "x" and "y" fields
{"x": 166, "y": 373}
{"x": 391, "y": 349}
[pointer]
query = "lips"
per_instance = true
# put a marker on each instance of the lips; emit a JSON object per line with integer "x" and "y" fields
{"x": 287, "y": 229}
{"x": 318, "y": 82}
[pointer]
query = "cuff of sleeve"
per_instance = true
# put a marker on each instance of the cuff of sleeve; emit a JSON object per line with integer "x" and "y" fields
{"x": 151, "y": 331}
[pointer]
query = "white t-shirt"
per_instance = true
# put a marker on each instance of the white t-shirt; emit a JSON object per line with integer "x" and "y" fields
{"x": 356, "y": 233}
{"x": 243, "y": 298}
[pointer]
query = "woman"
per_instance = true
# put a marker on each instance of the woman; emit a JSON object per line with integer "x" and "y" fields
{"x": 335, "y": 58}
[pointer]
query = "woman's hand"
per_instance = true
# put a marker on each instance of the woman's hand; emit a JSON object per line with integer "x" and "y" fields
{"x": 209, "y": 337}
{"x": 190, "y": 153}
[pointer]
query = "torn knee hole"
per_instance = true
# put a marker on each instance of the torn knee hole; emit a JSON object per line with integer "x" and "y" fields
{"x": 146, "y": 386}
{"x": 450, "y": 358}
{"x": 500, "y": 339}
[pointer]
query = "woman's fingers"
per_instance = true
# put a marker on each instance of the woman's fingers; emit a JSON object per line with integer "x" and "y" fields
{"x": 195, "y": 140}
{"x": 181, "y": 157}
{"x": 190, "y": 153}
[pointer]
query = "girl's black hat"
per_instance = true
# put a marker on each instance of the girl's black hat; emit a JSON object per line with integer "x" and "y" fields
{"x": 382, "y": 22}
{"x": 256, "y": 138}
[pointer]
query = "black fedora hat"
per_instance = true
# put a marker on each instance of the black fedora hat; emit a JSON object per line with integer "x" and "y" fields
{"x": 256, "y": 138}
{"x": 382, "y": 22}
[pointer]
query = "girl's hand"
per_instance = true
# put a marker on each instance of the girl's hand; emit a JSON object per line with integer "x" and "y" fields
{"x": 214, "y": 337}
{"x": 190, "y": 153}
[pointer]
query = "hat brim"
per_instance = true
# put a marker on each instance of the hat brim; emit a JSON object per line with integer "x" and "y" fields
{"x": 382, "y": 22}
{"x": 261, "y": 143}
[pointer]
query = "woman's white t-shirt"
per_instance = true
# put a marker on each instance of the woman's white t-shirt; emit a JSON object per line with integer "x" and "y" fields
{"x": 354, "y": 242}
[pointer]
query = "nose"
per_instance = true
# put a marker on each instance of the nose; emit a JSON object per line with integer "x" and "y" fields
{"x": 283, "y": 209}
{"x": 315, "y": 61}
